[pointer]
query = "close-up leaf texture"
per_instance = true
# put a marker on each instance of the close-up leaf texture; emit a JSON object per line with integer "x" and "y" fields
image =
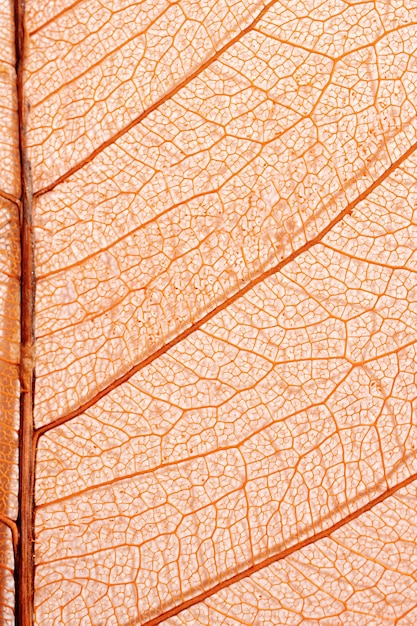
{"x": 208, "y": 312}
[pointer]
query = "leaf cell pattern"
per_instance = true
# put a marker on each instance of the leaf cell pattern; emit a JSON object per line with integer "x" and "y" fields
{"x": 7, "y": 599}
{"x": 269, "y": 144}
{"x": 276, "y": 419}
{"x": 225, "y": 226}
{"x": 9, "y": 271}
{"x": 94, "y": 67}
{"x": 364, "y": 573}
{"x": 9, "y": 356}
{"x": 9, "y": 313}
{"x": 10, "y": 160}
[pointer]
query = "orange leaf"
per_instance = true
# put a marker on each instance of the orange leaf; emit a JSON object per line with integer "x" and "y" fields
{"x": 218, "y": 354}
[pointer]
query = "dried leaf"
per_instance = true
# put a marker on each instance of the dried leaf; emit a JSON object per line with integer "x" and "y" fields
{"x": 224, "y": 206}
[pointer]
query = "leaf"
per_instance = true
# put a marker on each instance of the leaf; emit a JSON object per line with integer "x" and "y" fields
{"x": 223, "y": 197}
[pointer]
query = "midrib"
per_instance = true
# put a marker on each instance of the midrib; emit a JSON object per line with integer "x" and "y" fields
{"x": 24, "y": 566}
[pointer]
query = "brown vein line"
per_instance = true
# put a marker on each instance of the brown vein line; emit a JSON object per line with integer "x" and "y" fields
{"x": 229, "y": 301}
{"x": 280, "y": 555}
{"x": 12, "y": 525}
{"x": 24, "y": 563}
{"x": 157, "y": 104}
{"x": 11, "y": 276}
{"x": 8, "y": 362}
{"x": 10, "y": 198}
{"x": 360, "y": 259}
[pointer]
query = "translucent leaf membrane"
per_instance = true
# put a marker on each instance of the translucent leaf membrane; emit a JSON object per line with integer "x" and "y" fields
{"x": 251, "y": 159}
{"x": 6, "y": 577}
{"x": 94, "y": 67}
{"x": 9, "y": 153}
{"x": 9, "y": 268}
{"x": 362, "y": 574}
{"x": 284, "y": 414}
{"x": 226, "y": 311}
{"x": 9, "y": 309}
{"x": 9, "y": 356}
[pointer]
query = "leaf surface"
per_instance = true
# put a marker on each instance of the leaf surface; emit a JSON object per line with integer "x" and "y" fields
{"x": 9, "y": 311}
{"x": 224, "y": 206}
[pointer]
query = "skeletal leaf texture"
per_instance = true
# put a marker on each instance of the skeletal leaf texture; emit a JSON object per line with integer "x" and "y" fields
{"x": 224, "y": 205}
